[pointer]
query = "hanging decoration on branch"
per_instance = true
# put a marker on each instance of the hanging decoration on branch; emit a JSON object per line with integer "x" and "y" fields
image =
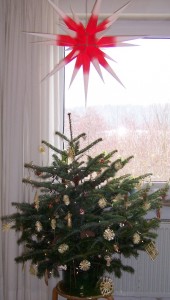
{"x": 106, "y": 286}
{"x": 85, "y": 42}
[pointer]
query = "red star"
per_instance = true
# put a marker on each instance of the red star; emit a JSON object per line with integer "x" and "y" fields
{"x": 85, "y": 42}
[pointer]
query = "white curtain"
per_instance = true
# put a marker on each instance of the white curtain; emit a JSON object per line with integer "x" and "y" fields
{"x": 30, "y": 111}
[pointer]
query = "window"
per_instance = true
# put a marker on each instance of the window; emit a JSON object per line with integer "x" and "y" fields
{"x": 135, "y": 120}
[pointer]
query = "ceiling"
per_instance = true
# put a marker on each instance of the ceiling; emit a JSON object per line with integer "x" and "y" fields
{"x": 140, "y": 17}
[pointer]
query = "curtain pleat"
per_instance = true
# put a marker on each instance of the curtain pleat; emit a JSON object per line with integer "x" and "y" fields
{"x": 27, "y": 116}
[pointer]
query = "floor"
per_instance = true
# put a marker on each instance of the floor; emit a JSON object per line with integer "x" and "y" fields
{"x": 133, "y": 298}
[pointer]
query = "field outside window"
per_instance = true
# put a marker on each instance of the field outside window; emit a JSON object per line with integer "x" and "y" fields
{"x": 134, "y": 119}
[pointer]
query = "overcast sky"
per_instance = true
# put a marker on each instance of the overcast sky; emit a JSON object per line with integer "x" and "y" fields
{"x": 144, "y": 70}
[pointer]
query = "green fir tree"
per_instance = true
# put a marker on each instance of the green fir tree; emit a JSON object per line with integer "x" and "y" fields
{"x": 84, "y": 215}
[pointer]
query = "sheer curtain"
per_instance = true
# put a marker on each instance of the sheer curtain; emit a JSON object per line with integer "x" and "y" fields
{"x": 30, "y": 111}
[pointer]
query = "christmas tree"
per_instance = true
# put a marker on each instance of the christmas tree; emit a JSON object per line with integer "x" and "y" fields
{"x": 84, "y": 216}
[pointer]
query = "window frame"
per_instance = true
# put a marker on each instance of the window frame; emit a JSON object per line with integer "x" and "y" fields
{"x": 144, "y": 20}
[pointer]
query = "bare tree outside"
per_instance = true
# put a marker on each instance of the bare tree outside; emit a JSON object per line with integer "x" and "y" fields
{"x": 144, "y": 133}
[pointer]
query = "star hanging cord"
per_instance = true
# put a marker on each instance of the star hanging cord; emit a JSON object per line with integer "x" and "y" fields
{"x": 85, "y": 42}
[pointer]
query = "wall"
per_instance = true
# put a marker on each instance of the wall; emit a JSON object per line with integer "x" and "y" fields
{"x": 151, "y": 278}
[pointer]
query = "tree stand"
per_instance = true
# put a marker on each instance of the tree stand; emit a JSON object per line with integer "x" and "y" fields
{"x": 58, "y": 291}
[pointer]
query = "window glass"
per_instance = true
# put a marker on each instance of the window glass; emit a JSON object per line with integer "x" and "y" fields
{"x": 134, "y": 119}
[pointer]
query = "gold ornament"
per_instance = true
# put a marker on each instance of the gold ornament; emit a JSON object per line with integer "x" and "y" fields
{"x": 6, "y": 227}
{"x": 71, "y": 154}
{"x": 33, "y": 270}
{"x": 127, "y": 204}
{"x": 116, "y": 248}
{"x": 151, "y": 250}
{"x": 66, "y": 199}
{"x": 108, "y": 260}
{"x": 38, "y": 226}
{"x": 108, "y": 234}
{"x": 136, "y": 238}
{"x": 42, "y": 149}
{"x": 36, "y": 201}
{"x": 53, "y": 224}
{"x": 139, "y": 185}
{"x": 69, "y": 220}
{"x": 85, "y": 265}
{"x": 146, "y": 205}
{"x": 63, "y": 248}
{"x": 118, "y": 165}
{"x": 117, "y": 198}
{"x": 106, "y": 286}
{"x": 102, "y": 203}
